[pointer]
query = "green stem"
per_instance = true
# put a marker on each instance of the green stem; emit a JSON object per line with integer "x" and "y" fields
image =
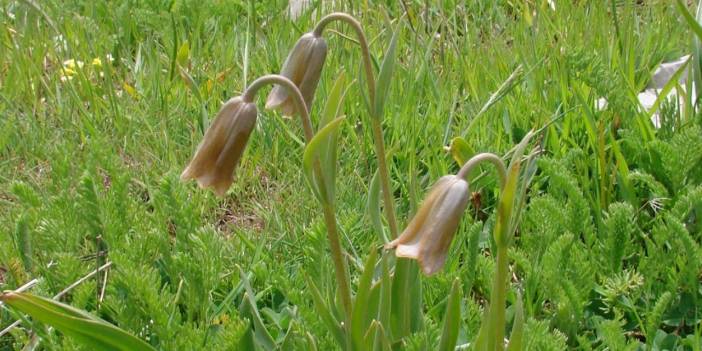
{"x": 376, "y": 120}
{"x": 498, "y": 298}
{"x": 340, "y": 270}
{"x": 486, "y": 156}
{"x": 498, "y": 293}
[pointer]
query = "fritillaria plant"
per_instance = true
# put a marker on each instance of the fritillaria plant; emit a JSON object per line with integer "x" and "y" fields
{"x": 224, "y": 142}
{"x": 429, "y": 234}
{"x": 303, "y": 66}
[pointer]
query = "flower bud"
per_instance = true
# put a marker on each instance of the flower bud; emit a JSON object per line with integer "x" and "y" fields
{"x": 428, "y": 236}
{"x": 222, "y": 146}
{"x": 303, "y": 66}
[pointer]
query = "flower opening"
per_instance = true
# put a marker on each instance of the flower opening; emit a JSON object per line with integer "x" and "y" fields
{"x": 428, "y": 236}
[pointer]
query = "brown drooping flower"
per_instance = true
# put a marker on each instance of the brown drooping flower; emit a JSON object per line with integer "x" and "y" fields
{"x": 303, "y": 66}
{"x": 222, "y": 146}
{"x": 428, "y": 236}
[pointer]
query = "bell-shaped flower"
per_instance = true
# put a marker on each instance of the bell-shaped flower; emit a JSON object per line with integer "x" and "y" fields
{"x": 303, "y": 66}
{"x": 428, "y": 236}
{"x": 222, "y": 146}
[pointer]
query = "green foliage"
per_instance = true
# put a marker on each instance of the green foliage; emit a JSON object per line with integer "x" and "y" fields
{"x": 619, "y": 233}
{"x": 82, "y": 326}
{"x": 606, "y": 255}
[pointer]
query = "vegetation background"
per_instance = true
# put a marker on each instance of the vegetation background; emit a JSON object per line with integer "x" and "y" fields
{"x": 608, "y": 252}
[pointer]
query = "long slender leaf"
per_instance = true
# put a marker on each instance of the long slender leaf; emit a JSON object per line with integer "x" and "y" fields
{"x": 515, "y": 339}
{"x": 374, "y": 211}
{"x": 82, "y": 326}
{"x": 360, "y": 305}
{"x": 325, "y": 313}
{"x": 382, "y": 85}
{"x": 248, "y": 308}
{"x": 452, "y": 319}
{"x": 313, "y": 151}
{"x": 694, "y": 25}
{"x": 332, "y": 109}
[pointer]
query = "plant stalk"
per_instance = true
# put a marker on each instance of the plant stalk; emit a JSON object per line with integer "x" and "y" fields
{"x": 376, "y": 118}
{"x": 498, "y": 298}
{"x": 498, "y": 294}
{"x": 489, "y": 157}
{"x": 340, "y": 270}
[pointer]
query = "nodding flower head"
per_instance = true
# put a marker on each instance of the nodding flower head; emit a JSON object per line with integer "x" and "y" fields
{"x": 428, "y": 236}
{"x": 222, "y": 146}
{"x": 303, "y": 66}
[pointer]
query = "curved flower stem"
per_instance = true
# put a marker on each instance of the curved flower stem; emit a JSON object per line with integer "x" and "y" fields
{"x": 329, "y": 216}
{"x": 376, "y": 119}
{"x": 298, "y": 100}
{"x": 498, "y": 293}
{"x": 363, "y": 42}
{"x": 489, "y": 157}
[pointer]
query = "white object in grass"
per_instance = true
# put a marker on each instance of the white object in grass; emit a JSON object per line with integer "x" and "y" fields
{"x": 661, "y": 77}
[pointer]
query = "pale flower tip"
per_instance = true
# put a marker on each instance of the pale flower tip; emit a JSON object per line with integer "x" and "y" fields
{"x": 220, "y": 190}
{"x": 429, "y": 270}
{"x": 186, "y": 175}
{"x": 272, "y": 102}
{"x": 391, "y": 245}
{"x": 407, "y": 251}
{"x": 276, "y": 97}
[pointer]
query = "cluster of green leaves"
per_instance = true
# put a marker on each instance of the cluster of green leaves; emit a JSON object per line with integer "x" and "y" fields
{"x": 607, "y": 255}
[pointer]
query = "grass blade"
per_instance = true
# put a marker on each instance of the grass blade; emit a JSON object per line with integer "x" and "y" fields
{"x": 82, "y": 326}
{"x": 382, "y": 85}
{"x": 452, "y": 319}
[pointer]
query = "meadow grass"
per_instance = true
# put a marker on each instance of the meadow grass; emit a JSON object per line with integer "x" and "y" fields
{"x": 607, "y": 256}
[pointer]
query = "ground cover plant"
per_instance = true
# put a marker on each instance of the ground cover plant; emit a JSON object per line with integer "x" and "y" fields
{"x": 104, "y": 103}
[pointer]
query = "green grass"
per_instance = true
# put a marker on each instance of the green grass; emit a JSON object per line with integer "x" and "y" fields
{"x": 607, "y": 254}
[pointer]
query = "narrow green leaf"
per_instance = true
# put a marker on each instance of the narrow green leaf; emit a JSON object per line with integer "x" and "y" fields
{"x": 332, "y": 109}
{"x": 82, "y": 326}
{"x": 694, "y": 25}
{"x": 503, "y": 226}
{"x": 312, "y": 152}
{"x": 374, "y": 207}
{"x": 360, "y": 305}
{"x": 325, "y": 313}
{"x": 23, "y": 239}
{"x": 452, "y": 319}
{"x": 195, "y": 89}
{"x": 382, "y": 84}
{"x": 590, "y": 118}
{"x": 527, "y": 177}
{"x": 249, "y": 308}
{"x": 377, "y": 340}
{"x": 260, "y": 333}
{"x": 385, "y": 305}
{"x": 515, "y": 340}
{"x": 416, "y": 314}
{"x": 399, "y": 318}
{"x": 335, "y": 98}
{"x": 663, "y": 95}
{"x": 696, "y": 56}
{"x": 481, "y": 342}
